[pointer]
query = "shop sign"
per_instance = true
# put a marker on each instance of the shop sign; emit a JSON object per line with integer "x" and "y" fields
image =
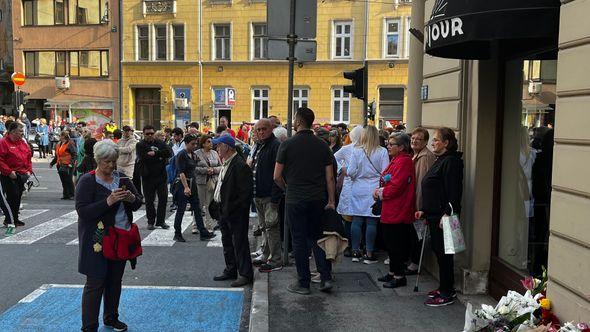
{"x": 231, "y": 96}
{"x": 224, "y": 97}
{"x": 443, "y": 29}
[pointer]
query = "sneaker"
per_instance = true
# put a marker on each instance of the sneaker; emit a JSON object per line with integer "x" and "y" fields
{"x": 151, "y": 227}
{"x": 116, "y": 325}
{"x": 386, "y": 262}
{"x": 316, "y": 278}
{"x": 19, "y": 223}
{"x": 258, "y": 261}
{"x": 195, "y": 230}
{"x": 163, "y": 225}
{"x": 439, "y": 301}
{"x": 325, "y": 286}
{"x": 356, "y": 256}
{"x": 179, "y": 238}
{"x": 266, "y": 268}
{"x": 241, "y": 281}
{"x": 386, "y": 278}
{"x": 396, "y": 282}
{"x": 208, "y": 236}
{"x": 370, "y": 260}
{"x": 436, "y": 293}
{"x": 297, "y": 289}
{"x": 256, "y": 253}
{"x": 253, "y": 214}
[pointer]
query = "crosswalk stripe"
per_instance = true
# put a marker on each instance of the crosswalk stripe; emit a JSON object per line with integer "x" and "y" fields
{"x": 138, "y": 215}
{"x": 165, "y": 237}
{"x": 26, "y": 214}
{"x": 40, "y": 231}
{"x": 216, "y": 241}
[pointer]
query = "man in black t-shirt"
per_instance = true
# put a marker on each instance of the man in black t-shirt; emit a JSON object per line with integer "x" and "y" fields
{"x": 304, "y": 170}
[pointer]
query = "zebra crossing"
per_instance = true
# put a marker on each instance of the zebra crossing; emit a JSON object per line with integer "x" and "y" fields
{"x": 61, "y": 227}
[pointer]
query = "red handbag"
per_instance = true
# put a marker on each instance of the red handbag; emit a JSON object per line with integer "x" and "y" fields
{"x": 120, "y": 244}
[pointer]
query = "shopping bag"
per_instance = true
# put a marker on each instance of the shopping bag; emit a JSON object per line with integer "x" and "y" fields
{"x": 452, "y": 234}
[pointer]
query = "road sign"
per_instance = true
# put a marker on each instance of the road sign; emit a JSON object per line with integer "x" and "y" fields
{"x": 305, "y": 50}
{"x": 278, "y": 13}
{"x": 18, "y": 78}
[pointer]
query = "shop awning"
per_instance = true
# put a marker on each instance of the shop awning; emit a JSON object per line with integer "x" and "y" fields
{"x": 483, "y": 29}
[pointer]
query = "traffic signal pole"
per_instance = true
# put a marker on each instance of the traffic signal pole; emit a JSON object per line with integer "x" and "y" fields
{"x": 366, "y": 93}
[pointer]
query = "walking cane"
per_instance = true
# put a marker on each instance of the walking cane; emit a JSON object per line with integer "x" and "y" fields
{"x": 421, "y": 256}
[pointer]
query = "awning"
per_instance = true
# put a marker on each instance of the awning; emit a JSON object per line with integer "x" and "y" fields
{"x": 483, "y": 29}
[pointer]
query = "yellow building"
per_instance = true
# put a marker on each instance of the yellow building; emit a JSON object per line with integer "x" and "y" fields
{"x": 225, "y": 70}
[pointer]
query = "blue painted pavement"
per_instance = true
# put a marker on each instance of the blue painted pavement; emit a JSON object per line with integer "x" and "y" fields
{"x": 57, "y": 308}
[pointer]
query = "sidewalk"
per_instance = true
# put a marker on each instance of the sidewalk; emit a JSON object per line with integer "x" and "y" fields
{"x": 358, "y": 303}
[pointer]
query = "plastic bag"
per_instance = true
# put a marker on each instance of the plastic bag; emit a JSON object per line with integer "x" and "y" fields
{"x": 452, "y": 234}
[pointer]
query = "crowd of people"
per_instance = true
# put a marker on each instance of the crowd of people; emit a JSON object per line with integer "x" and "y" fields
{"x": 384, "y": 186}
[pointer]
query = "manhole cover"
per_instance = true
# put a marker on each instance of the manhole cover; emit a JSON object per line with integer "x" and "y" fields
{"x": 354, "y": 282}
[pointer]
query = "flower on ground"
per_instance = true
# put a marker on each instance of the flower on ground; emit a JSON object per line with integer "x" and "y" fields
{"x": 528, "y": 283}
{"x": 545, "y": 304}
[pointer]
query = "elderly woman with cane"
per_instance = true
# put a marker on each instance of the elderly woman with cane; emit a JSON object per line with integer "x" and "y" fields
{"x": 105, "y": 202}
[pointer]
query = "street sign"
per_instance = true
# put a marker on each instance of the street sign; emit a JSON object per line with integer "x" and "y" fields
{"x": 18, "y": 78}
{"x": 278, "y": 13}
{"x": 305, "y": 50}
{"x": 231, "y": 96}
{"x": 424, "y": 93}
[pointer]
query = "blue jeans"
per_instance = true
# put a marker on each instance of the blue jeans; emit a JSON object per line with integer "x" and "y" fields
{"x": 357, "y": 232}
{"x": 304, "y": 219}
{"x": 181, "y": 200}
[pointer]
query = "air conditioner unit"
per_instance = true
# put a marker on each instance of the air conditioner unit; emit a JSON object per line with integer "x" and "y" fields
{"x": 181, "y": 102}
{"x": 62, "y": 82}
{"x": 535, "y": 87}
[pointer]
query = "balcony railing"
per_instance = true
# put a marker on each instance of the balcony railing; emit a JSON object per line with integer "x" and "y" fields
{"x": 155, "y": 7}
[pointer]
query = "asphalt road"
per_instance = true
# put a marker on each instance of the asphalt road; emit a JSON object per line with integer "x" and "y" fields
{"x": 46, "y": 252}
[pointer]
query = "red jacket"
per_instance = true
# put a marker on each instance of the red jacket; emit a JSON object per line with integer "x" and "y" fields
{"x": 399, "y": 194}
{"x": 15, "y": 156}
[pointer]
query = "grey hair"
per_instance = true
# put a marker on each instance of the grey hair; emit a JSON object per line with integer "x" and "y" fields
{"x": 106, "y": 149}
{"x": 402, "y": 140}
{"x": 280, "y": 133}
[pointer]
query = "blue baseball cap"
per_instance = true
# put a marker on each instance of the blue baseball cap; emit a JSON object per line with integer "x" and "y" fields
{"x": 225, "y": 139}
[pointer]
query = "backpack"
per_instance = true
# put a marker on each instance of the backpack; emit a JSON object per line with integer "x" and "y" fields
{"x": 171, "y": 171}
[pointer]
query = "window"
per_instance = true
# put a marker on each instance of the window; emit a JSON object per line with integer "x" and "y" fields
{"x": 300, "y": 98}
{"x": 341, "y": 105}
{"x": 60, "y": 11}
{"x": 71, "y": 63}
{"x": 178, "y": 42}
{"x": 222, "y": 41}
{"x": 161, "y": 42}
{"x": 391, "y": 42}
{"x": 143, "y": 42}
{"x": 259, "y": 41}
{"x": 260, "y": 103}
{"x": 391, "y": 103}
{"x": 88, "y": 12}
{"x": 343, "y": 39}
{"x": 38, "y": 12}
{"x": 408, "y": 36}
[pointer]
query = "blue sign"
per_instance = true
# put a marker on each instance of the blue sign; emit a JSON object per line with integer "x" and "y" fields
{"x": 220, "y": 98}
{"x": 424, "y": 92}
{"x": 182, "y": 93}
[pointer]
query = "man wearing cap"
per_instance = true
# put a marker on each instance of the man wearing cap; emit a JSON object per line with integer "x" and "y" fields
{"x": 234, "y": 195}
{"x": 126, "y": 161}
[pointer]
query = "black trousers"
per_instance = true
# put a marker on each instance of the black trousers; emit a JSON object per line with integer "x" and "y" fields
{"x": 96, "y": 289}
{"x": 67, "y": 182}
{"x": 137, "y": 177}
{"x": 236, "y": 248}
{"x": 13, "y": 192}
{"x": 396, "y": 240}
{"x": 304, "y": 219}
{"x": 152, "y": 188}
{"x": 446, "y": 265}
{"x": 415, "y": 245}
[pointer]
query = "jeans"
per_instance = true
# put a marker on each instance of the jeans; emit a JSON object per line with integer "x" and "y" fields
{"x": 150, "y": 189}
{"x": 181, "y": 200}
{"x": 93, "y": 294}
{"x": 357, "y": 231}
{"x": 67, "y": 183}
{"x": 304, "y": 220}
{"x": 446, "y": 268}
{"x": 268, "y": 219}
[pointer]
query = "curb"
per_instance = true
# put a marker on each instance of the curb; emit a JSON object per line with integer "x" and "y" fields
{"x": 259, "y": 307}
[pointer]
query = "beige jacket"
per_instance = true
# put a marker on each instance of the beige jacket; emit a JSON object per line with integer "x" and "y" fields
{"x": 126, "y": 161}
{"x": 422, "y": 163}
{"x": 333, "y": 244}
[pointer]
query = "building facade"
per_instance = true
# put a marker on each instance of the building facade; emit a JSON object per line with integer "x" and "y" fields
{"x": 68, "y": 50}
{"x": 6, "y": 63}
{"x": 518, "y": 97}
{"x": 225, "y": 70}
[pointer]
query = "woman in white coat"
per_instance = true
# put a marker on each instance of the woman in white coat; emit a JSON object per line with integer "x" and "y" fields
{"x": 367, "y": 162}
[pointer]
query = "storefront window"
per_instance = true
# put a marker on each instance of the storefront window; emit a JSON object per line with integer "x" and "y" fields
{"x": 527, "y": 156}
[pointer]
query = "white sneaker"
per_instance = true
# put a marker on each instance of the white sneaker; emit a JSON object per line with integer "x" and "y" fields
{"x": 256, "y": 253}
{"x": 386, "y": 262}
{"x": 253, "y": 214}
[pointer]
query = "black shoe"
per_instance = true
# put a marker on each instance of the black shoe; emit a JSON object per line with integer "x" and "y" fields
{"x": 207, "y": 236}
{"x": 326, "y": 286}
{"x": 19, "y": 223}
{"x": 116, "y": 325}
{"x": 179, "y": 238}
{"x": 409, "y": 272}
{"x": 224, "y": 276}
{"x": 151, "y": 227}
{"x": 348, "y": 252}
{"x": 241, "y": 281}
{"x": 163, "y": 225}
{"x": 386, "y": 278}
{"x": 396, "y": 282}
{"x": 257, "y": 232}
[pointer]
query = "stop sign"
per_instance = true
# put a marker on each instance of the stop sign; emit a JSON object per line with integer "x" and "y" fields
{"x": 18, "y": 78}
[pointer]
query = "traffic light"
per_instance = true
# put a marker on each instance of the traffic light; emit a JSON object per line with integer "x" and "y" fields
{"x": 357, "y": 89}
{"x": 371, "y": 111}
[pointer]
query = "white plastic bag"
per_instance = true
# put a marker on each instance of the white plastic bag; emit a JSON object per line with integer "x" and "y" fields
{"x": 452, "y": 234}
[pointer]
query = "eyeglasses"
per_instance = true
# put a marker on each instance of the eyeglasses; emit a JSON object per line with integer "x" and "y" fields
{"x": 392, "y": 144}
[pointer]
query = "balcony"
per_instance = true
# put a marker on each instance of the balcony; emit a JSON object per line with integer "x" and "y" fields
{"x": 159, "y": 7}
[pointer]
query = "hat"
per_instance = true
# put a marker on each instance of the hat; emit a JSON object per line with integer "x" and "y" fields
{"x": 127, "y": 128}
{"x": 225, "y": 139}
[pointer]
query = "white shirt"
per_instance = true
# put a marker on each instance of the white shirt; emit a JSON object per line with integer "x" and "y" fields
{"x": 365, "y": 179}
{"x": 217, "y": 194}
{"x": 177, "y": 147}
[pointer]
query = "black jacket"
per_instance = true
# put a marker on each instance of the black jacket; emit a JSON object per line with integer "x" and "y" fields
{"x": 236, "y": 191}
{"x": 266, "y": 157}
{"x": 153, "y": 167}
{"x": 443, "y": 184}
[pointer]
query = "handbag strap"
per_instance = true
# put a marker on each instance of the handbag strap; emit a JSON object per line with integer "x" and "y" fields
{"x": 373, "y": 165}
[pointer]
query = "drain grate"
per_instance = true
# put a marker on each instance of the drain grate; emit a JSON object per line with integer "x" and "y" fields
{"x": 355, "y": 282}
